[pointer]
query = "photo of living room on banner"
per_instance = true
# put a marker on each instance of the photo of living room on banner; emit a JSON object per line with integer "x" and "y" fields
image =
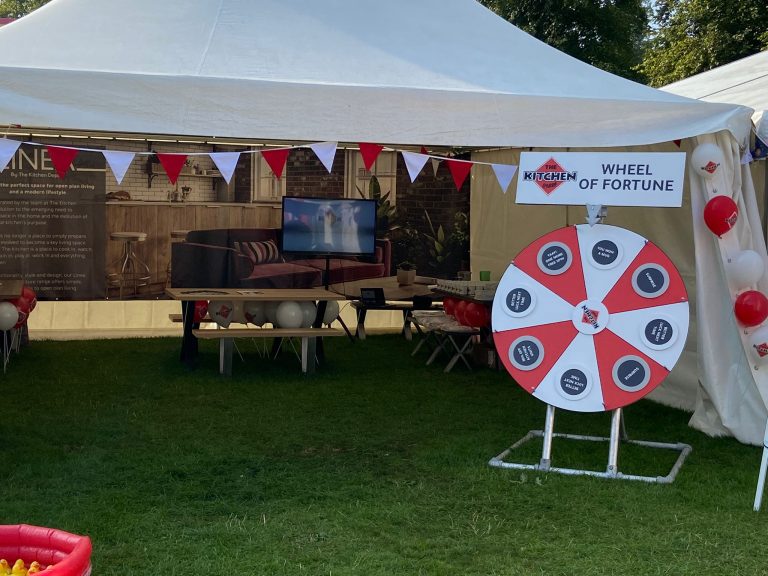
{"x": 606, "y": 253}
{"x": 626, "y": 373}
{"x": 529, "y": 353}
{"x": 526, "y": 302}
{"x": 554, "y": 260}
{"x": 573, "y": 382}
{"x": 660, "y": 332}
{"x": 650, "y": 280}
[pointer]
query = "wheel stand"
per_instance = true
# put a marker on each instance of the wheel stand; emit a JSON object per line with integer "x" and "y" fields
{"x": 612, "y": 470}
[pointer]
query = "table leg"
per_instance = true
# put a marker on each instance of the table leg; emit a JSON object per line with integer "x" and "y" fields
{"x": 189, "y": 345}
{"x": 406, "y": 331}
{"x": 226, "y": 346}
{"x": 360, "y": 331}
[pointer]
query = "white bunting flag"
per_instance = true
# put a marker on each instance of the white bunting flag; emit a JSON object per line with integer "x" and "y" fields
{"x": 504, "y": 174}
{"x": 745, "y": 159}
{"x": 414, "y": 162}
{"x": 226, "y": 163}
{"x": 435, "y": 166}
{"x": 326, "y": 152}
{"x": 7, "y": 150}
{"x": 118, "y": 162}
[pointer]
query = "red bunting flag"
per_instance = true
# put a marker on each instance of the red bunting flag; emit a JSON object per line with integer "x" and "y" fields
{"x": 276, "y": 160}
{"x": 424, "y": 150}
{"x": 62, "y": 158}
{"x": 459, "y": 170}
{"x": 369, "y": 153}
{"x": 677, "y": 142}
{"x": 172, "y": 163}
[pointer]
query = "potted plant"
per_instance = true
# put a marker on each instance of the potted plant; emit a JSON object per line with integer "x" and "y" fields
{"x": 406, "y": 273}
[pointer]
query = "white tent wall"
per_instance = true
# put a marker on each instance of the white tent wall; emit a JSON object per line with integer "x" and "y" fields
{"x": 718, "y": 386}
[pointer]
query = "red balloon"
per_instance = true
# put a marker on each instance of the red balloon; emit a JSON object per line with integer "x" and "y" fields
{"x": 29, "y": 294}
{"x": 751, "y": 308}
{"x": 23, "y": 306}
{"x": 459, "y": 311}
{"x": 720, "y": 214}
{"x": 449, "y": 305}
{"x": 475, "y": 315}
{"x": 201, "y": 309}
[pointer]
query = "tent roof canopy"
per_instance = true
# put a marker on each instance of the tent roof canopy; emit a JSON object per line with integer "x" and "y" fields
{"x": 428, "y": 72}
{"x": 742, "y": 82}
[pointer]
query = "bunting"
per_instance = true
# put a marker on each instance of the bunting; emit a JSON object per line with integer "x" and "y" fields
{"x": 172, "y": 163}
{"x": 276, "y": 160}
{"x": 459, "y": 170}
{"x": 504, "y": 174}
{"x": 7, "y": 150}
{"x": 226, "y": 162}
{"x": 369, "y": 153}
{"x": 62, "y": 158}
{"x": 414, "y": 162}
{"x": 325, "y": 152}
{"x": 118, "y": 162}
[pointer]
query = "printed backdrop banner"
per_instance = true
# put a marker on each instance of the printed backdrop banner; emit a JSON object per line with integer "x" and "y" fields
{"x": 52, "y": 229}
{"x": 607, "y": 178}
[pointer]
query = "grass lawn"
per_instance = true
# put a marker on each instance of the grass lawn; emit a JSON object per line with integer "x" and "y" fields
{"x": 376, "y": 465}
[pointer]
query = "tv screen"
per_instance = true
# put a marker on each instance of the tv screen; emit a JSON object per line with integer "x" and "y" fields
{"x": 329, "y": 227}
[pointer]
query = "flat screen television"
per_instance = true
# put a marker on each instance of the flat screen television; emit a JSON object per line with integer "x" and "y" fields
{"x": 329, "y": 227}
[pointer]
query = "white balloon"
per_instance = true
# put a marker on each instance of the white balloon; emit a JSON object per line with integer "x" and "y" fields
{"x": 9, "y": 315}
{"x": 309, "y": 310}
{"x": 289, "y": 315}
{"x": 331, "y": 311}
{"x": 254, "y": 312}
{"x": 707, "y": 159}
{"x": 758, "y": 343}
{"x": 270, "y": 312}
{"x": 238, "y": 312}
{"x": 221, "y": 312}
{"x": 746, "y": 269}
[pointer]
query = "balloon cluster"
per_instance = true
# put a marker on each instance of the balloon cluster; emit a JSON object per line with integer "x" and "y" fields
{"x": 467, "y": 313}
{"x": 747, "y": 267}
{"x": 287, "y": 314}
{"x": 14, "y": 312}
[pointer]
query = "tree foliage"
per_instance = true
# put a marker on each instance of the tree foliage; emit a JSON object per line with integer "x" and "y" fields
{"x": 693, "y": 36}
{"x": 608, "y": 34}
{"x": 19, "y": 8}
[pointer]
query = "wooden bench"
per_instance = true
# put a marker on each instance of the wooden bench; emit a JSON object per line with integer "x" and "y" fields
{"x": 180, "y": 318}
{"x": 226, "y": 338}
{"x": 405, "y": 307}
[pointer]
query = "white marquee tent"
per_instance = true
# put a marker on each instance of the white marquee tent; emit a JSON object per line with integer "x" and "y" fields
{"x": 742, "y": 82}
{"x": 433, "y": 72}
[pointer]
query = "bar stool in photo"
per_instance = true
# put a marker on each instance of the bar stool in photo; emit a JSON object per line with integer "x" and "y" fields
{"x": 128, "y": 272}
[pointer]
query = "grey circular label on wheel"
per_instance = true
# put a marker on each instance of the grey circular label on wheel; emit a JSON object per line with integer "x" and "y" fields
{"x": 659, "y": 333}
{"x": 554, "y": 258}
{"x": 650, "y": 280}
{"x": 526, "y": 353}
{"x": 605, "y": 253}
{"x": 519, "y": 301}
{"x": 631, "y": 373}
{"x": 574, "y": 383}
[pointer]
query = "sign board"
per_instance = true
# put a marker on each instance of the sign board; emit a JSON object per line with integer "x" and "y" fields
{"x": 52, "y": 229}
{"x": 607, "y": 178}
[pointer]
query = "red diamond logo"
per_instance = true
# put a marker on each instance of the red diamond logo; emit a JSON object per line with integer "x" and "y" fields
{"x": 590, "y": 316}
{"x": 762, "y": 349}
{"x": 711, "y": 167}
{"x": 550, "y": 176}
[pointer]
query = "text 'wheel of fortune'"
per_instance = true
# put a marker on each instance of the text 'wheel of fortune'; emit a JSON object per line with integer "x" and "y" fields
{"x": 590, "y": 318}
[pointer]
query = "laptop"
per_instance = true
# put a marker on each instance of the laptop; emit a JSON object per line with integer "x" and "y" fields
{"x": 372, "y": 297}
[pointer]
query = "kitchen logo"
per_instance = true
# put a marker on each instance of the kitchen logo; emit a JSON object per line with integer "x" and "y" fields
{"x": 710, "y": 167}
{"x": 549, "y": 176}
{"x": 590, "y": 317}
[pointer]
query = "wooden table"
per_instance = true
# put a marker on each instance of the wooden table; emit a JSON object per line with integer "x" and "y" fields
{"x": 397, "y": 296}
{"x": 188, "y": 297}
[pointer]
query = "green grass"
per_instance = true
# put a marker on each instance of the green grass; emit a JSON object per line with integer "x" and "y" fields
{"x": 376, "y": 465}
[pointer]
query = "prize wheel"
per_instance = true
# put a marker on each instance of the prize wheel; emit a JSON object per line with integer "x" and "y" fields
{"x": 590, "y": 318}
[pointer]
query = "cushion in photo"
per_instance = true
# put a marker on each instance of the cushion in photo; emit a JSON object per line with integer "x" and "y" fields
{"x": 264, "y": 252}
